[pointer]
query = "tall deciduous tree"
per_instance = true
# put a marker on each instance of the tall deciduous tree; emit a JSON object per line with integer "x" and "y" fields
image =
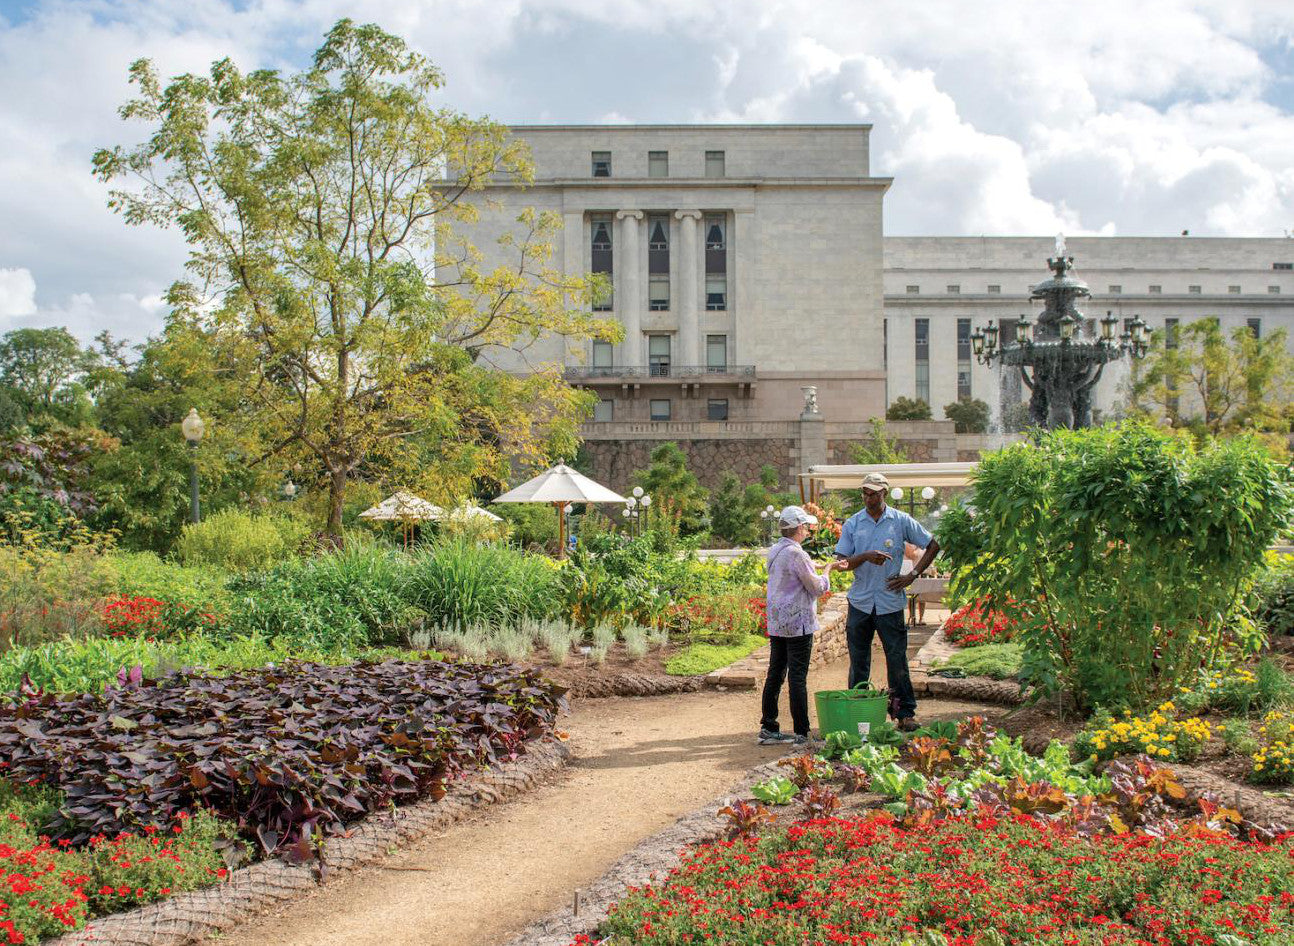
{"x": 42, "y": 368}
{"x": 324, "y": 210}
{"x": 1202, "y": 376}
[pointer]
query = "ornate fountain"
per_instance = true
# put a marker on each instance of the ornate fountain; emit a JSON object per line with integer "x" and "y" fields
{"x": 1060, "y": 359}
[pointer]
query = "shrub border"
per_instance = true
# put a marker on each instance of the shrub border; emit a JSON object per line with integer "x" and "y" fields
{"x": 189, "y": 917}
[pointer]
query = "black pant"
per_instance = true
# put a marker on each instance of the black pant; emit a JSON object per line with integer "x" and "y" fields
{"x": 894, "y": 639}
{"x": 788, "y": 656}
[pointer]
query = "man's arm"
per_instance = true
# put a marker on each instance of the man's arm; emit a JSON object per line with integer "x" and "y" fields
{"x": 928, "y": 556}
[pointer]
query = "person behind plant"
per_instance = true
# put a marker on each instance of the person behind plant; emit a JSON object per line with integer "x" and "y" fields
{"x": 794, "y": 587}
{"x": 871, "y": 545}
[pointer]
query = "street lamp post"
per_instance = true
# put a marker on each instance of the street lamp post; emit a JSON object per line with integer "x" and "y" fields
{"x": 192, "y": 428}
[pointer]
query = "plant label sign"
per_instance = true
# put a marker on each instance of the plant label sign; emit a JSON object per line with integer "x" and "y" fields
{"x": 863, "y": 730}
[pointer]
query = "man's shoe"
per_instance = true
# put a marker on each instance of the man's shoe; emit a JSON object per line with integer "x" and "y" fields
{"x": 808, "y": 740}
{"x": 769, "y": 738}
{"x": 907, "y": 724}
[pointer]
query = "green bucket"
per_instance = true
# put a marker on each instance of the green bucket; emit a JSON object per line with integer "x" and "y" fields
{"x": 843, "y": 710}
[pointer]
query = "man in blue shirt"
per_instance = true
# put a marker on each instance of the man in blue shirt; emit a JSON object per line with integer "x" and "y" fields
{"x": 871, "y": 543}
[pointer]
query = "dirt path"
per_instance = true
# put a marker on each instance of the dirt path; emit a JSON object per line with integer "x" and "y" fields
{"x": 638, "y": 764}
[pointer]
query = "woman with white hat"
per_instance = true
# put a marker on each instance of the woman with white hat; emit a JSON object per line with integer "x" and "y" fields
{"x": 794, "y": 587}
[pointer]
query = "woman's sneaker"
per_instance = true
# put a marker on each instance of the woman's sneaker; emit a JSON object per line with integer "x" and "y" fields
{"x": 768, "y": 738}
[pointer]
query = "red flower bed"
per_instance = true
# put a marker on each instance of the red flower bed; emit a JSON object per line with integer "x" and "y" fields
{"x": 719, "y": 617}
{"x": 977, "y": 623}
{"x": 141, "y": 616}
{"x": 872, "y": 881}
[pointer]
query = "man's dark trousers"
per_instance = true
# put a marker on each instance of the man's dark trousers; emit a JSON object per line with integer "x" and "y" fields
{"x": 788, "y": 657}
{"x": 894, "y": 639}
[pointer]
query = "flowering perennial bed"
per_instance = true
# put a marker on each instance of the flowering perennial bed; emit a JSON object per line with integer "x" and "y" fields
{"x": 977, "y": 623}
{"x": 976, "y": 880}
{"x": 289, "y": 753}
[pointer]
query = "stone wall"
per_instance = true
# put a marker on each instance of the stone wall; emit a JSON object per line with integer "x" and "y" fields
{"x": 613, "y": 462}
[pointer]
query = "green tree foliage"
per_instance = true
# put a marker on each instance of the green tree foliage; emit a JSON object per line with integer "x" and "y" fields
{"x": 735, "y": 509}
{"x": 42, "y": 371}
{"x": 879, "y": 447}
{"x": 323, "y": 210}
{"x": 1222, "y": 384}
{"x": 1129, "y": 550}
{"x": 905, "y": 408}
{"x": 678, "y": 498}
{"x": 969, "y": 415}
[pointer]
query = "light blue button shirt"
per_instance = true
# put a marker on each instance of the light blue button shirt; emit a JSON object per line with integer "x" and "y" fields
{"x": 861, "y": 533}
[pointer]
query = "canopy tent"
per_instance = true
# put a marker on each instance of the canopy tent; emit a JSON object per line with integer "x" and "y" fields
{"x": 559, "y": 486}
{"x": 404, "y": 508}
{"x": 823, "y": 477}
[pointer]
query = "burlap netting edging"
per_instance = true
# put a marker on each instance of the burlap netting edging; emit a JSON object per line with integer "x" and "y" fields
{"x": 188, "y": 917}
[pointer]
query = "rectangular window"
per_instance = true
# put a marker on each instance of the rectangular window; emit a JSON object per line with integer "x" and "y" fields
{"x": 716, "y": 353}
{"x": 994, "y": 289}
{"x": 658, "y": 355}
{"x": 1156, "y": 288}
{"x": 963, "y": 359}
{"x": 716, "y": 262}
{"x": 913, "y": 290}
{"x": 1115, "y": 290}
{"x": 1274, "y": 290}
{"x": 1193, "y": 289}
{"x": 658, "y": 164}
{"x": 1256, "y": 327}
{"x": 604, "y": 411}
{"x": 1282, "y": 265}
{"x": 922, "y": 336}
{"x": 716, "y": 293}
{"x": 1233, "y": 289}
{"x": 716, "y": 408}
{"x": 602, "y": 355}
{"x": 600, "y": 232}
{"x": 660, "y": 409}
{"x": 954, "y": 290}
{"x": 658, "y": 262}
{"x": 714, "y": 164}
{"x": 601, "y": 163}
{"x": 885, "y": 344}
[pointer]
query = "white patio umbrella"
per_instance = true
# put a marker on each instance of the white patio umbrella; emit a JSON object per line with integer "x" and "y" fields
{"x": 560, "y": 486}
{"x": 405, "y": 508}
{"x": 472, "y": 511}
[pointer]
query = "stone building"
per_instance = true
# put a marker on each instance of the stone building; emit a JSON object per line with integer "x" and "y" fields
{"x": 939, "y": 289}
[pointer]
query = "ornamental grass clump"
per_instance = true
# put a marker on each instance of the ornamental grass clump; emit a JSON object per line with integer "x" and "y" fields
{"x": 1131, "y": 550}
{"x": 1160, "y": 735}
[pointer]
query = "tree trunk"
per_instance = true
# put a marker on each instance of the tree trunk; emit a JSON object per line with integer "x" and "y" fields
{"x": 336, "y": 492}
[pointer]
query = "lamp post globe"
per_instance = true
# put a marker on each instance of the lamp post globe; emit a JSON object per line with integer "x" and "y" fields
{"x": 897, "y": 493}
{"x": 192, "y": 427}
{"x": 290, "y": 490}
{"x": 927, "y": 493}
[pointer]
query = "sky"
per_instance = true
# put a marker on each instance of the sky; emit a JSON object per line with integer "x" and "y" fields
{"x": 997, "y": 117}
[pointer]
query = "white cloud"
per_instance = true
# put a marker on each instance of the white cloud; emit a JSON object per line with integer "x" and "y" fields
{"x": 1000, "y": 118}
{"x": 17, "y": 292}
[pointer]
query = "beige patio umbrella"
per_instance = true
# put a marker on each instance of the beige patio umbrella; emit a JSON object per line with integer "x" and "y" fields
{"x": 560, "y": 486}
{"x": 404, "y": 508}
{"x": 472, "y": 511}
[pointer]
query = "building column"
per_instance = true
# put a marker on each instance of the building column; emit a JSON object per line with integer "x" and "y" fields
{"x": 628, "y": 298}
{"x": 690, "y": 263}
{"x": 574, "y": 243}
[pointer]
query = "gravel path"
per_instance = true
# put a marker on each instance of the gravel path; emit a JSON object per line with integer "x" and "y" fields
{"x": 638, "y": 765}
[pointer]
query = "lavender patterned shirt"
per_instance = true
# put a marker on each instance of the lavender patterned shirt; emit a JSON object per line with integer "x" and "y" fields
{"x": 793, "y": 590}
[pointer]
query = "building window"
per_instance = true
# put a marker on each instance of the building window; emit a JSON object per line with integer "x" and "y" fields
{"x": 1274, "y": 290}
{"x": 1156, "y": 288}
{"x": 994, "y": 289}
{"x": 716, "y": 353}
{"x": 1233, "y": 289}
{"x": 885, "y": 344}
{"x": 600, "y": 228}
{"x": 1170, "y": 341}
{"x": 602, "y": 355}
{"x": 601, "y": 163}
{"x": 1282, "y": 265}
{"x": 716, "y": 263}
{"x": 714, "y": 164}
{"x": 954, "y": 290}
{"x": 658, "y": 164}
{"x": 604, "y": 411}
{"x": 1193, "y": 289}
{"x": 963, "y": 359}
{"x": 660, "y": 409}
{"x": 1256, "y": 327}
{"x": 658, "y": 355}
{"x": 913, "y": 290}
{"x": 658, "y": 263}
{"x": 922, "y": 335}
{"x": 1115, "y": 290}
{"x": 716, "y": 408}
